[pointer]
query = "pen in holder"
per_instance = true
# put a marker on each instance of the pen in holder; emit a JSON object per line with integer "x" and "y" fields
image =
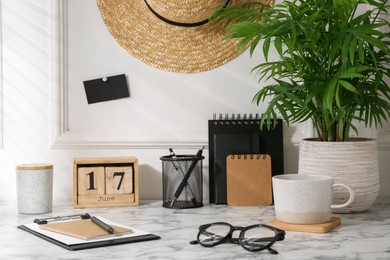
{"x": 182, "y": 180}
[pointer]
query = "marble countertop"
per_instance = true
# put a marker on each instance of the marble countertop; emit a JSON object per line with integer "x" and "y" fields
{"x": 360, "y": 236}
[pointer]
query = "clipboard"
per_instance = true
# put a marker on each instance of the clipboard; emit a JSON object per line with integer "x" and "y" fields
{"x": 72, "y": 243}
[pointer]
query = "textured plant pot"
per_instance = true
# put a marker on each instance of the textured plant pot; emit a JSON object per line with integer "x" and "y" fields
{"x": 354, "y": 163}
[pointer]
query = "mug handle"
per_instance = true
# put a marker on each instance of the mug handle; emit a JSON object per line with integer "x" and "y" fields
{"x": 351, "y": 196}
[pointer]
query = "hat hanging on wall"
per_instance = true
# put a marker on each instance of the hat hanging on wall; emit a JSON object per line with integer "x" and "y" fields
{"x": 172, "y": 35}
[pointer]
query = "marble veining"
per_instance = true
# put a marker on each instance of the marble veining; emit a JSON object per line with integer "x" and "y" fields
{"x": 360, "y": 236}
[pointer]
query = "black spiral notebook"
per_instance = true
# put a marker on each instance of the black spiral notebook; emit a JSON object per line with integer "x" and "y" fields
{"x": 240, "y": 134}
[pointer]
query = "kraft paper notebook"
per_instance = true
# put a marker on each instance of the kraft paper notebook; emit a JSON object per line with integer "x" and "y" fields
{"x": 249, "y": 180}
{"x": 83, "y": 229}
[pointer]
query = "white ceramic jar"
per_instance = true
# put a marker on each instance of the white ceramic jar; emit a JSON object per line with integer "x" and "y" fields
{"x": 34, "y": 188}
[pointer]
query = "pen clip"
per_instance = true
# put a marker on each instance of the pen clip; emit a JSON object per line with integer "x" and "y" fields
{"x": 61, "y": 218}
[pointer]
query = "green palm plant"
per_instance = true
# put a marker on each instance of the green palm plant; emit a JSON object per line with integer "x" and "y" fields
{"x": 333, "y": 60}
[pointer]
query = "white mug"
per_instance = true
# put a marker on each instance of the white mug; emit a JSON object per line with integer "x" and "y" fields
{"x": 305, "y": 199}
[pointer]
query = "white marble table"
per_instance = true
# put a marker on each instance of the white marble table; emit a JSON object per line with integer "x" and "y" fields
{"x": 360, "y": 236}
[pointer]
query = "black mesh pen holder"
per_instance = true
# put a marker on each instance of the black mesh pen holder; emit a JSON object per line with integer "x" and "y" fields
{"x": 182, "y": 181}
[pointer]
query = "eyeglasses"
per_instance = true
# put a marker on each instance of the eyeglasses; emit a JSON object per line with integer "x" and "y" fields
{"x": 252, "y": 238}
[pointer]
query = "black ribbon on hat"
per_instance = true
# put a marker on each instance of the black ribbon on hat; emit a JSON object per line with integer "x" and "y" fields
{"x": 178, "y": 23}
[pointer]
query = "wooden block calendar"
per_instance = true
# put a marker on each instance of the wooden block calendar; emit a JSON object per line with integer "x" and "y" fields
{"x": 105, "y": 182}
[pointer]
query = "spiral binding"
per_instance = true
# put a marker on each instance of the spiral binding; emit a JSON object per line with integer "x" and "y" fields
{"x": 233, "y": 116}
{"x": 248, "y": 156}
{"x": 236, "y": 119}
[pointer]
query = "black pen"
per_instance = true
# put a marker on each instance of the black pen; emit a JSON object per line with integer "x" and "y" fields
{"x": 183, "y": 183}
{"x": 177, "y": 168}
{"x": 103, "y": 225}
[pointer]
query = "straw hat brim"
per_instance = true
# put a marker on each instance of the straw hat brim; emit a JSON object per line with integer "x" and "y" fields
{"x": 165, "y": 46}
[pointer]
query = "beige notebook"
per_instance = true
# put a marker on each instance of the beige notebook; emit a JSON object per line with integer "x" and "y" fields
{"x": 248, "y": 178}
{"x": 83, "y": 228}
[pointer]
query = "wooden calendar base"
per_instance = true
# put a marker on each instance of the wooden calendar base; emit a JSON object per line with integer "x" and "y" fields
{"x": 312, "y": 228}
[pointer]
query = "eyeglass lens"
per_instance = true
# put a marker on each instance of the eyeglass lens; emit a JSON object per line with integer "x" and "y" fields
{"x": 213, "y": 234}
{"x": 257, "y": 237}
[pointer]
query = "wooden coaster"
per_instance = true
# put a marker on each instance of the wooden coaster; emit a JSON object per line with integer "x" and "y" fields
{"x": 312, "y": 228}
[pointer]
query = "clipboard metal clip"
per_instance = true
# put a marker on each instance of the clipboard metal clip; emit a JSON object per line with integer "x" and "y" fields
{"x": 42, "y": 221}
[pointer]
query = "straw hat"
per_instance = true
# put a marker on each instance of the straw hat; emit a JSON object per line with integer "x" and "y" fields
{"x": 172, "y": 35}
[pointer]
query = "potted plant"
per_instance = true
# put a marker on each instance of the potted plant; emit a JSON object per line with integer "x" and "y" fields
{"x": 332, "y": 65}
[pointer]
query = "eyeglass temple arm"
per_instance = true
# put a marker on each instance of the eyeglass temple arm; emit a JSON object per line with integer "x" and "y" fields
{"x": 261, "y": 239}
{"x": 274, "y": 252}
{"x": 280, "y": 235}
{"x": 211, "y": 234}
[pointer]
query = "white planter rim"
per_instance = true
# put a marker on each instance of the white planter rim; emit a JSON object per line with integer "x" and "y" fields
{"x": 350, "y": 139}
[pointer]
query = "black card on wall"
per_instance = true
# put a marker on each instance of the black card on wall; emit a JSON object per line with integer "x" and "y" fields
{"x": 105, "y": 89}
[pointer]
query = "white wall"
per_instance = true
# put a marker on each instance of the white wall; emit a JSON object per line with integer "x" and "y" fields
{"x": 45, "y": 116}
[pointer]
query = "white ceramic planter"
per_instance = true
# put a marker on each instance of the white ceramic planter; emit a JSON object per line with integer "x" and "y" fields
{"x": 354, "y": 163}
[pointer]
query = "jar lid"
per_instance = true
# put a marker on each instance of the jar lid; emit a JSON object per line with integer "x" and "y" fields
{"x": 34, "y": 166}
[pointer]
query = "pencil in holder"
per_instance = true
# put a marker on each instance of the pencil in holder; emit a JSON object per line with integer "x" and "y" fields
{"x": 182, "y": 181}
